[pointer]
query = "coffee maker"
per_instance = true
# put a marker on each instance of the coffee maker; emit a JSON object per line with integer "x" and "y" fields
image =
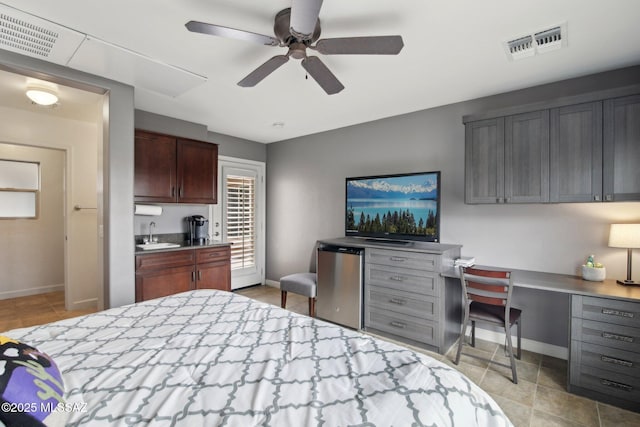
{"x": 198, "y": 229}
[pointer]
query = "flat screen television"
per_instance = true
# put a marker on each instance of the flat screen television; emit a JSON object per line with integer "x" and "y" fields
{"x": 397, "y": 207}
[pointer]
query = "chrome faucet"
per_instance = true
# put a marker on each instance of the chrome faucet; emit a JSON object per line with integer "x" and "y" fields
{"x": 151, "y": 225}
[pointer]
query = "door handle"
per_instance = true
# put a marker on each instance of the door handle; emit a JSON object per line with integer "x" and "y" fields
{"x": 199, "y": 274}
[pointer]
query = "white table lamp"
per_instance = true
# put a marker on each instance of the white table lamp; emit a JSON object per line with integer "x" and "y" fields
{"x": 625, "y": 236}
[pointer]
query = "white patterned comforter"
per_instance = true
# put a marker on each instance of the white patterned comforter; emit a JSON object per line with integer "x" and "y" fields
{"x": 208, "y": 358}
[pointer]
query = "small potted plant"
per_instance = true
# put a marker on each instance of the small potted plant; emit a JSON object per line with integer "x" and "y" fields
{"x": 593, "y": 271}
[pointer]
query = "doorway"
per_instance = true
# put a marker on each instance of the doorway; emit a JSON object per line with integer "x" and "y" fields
{"x": 74, "y": 126}
{"x": 239, "y": 218}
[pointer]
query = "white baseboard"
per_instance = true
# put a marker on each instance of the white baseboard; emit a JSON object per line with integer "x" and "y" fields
{"x": 31, "y": 291}
{"x": 272, "y": 283}
{"x": 84, "y": 304}
{"x": 527, "y": 344}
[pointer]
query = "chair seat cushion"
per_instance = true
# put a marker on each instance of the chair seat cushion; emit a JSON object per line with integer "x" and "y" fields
{"x": 492, "y": 313}
{"x": 299, "y": 283}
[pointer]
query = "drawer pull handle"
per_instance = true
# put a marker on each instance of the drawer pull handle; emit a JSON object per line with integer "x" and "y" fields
{"x": 398, "y": 301}
{"x": 398, "y": 325}
{"x": 617, "y": 337}
{"x": 618, "y": 313}
{"x": 398, "y": 258}
{"x": 398, "y": 278}
{"x": 615, "y": 361}
{"x": 617, "y": 385}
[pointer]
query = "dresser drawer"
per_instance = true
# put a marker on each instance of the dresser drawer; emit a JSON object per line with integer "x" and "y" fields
{"x": 405, "y": 326}
{"x": 401, "y": 259}
{"x": 610, "y": 359}
{"x": 606, "y": 310}
{"x": 607, "y": 382}
{"x": 606, "y": 334}
{"x": 421, "y": 306}
{"x": 402, "y": 279}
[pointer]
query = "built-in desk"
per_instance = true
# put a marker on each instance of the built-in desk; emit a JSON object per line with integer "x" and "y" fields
{"x": 598, "y": 322}
{"x": 564, "y": 283}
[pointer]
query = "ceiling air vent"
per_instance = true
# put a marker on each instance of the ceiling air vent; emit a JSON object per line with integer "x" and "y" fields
{"x": 26, "y": 37}
{"x": 32, "y": 36}
{"x": 538, "y": 42}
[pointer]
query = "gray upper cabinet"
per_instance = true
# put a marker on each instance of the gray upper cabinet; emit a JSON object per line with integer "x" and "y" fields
{"x": 621, "y": 150}
{"x": 575, "y": 168}
{"x": 484, "y": 161}
{"x": 526, "y": 158}
{"x": 587, "y": 150}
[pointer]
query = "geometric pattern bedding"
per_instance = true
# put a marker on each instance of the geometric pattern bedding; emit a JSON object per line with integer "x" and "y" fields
{"x": 208, "y": 358}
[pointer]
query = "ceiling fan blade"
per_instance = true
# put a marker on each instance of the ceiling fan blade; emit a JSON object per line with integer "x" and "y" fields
{"x": 304, "y": 16}
{"x": 257, "y": 75}
{"x": 322, "y": 75}
{"x": 217, "y": 30}
{"x": 376, "y": 45}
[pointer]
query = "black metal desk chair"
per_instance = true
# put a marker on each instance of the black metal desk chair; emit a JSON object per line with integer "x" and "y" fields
{"x": 487, "y": 298}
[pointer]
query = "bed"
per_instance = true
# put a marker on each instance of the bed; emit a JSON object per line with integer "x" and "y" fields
{"x": 208, "y": 358}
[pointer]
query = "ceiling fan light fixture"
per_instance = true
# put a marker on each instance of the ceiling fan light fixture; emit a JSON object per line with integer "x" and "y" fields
{"x": 42, "y": 96}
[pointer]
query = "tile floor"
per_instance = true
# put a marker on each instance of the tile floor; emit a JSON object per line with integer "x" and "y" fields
{"x": 538, "y": 400}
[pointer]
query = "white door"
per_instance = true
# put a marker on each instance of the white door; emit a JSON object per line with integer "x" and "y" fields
{"x": 239, "y": 218}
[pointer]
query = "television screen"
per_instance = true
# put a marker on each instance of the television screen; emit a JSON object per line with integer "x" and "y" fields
{"x": 401, "y": 207}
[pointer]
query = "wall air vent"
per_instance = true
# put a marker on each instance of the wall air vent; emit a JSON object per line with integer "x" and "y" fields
{"x": 538, "y": 42}
{"x": 32, "y": 36}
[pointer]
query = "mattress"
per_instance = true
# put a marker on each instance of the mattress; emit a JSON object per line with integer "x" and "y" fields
{"x": 209, "y": 358}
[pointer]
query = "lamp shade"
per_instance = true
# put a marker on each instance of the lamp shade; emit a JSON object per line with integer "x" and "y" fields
{"x": 624, "y": 236}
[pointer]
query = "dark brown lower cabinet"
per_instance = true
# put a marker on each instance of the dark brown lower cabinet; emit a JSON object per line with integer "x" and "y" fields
{"x": 167, "y": 273}
{"x": 213, "y": 268}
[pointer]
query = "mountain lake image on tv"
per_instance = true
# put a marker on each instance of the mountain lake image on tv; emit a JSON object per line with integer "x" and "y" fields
{"x": 400, "y": 207}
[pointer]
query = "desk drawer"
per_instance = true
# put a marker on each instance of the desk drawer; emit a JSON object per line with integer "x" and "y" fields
{"x": 610, "y": 359}
{"x": 606, "y": 334}
{"x": 606, "y": 382}
{"x": 401, "y": 259}
{"x": 402, "y": 279}
{"x": 606, "y": 310}
{"x": 421, "y": 306}
{"x": 405, "y": 326}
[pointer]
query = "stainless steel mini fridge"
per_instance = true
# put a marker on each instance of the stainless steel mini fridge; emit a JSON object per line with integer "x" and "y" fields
{"x": 339, "y": 299}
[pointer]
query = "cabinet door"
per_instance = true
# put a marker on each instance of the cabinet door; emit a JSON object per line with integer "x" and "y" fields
{"x": 484, "y": 161}
{"x": 575, "y": 168}
{"x": 621, "y": 150}
{"x": 213, "y": 268}
{"x": 526, "y": 153}
{"x": 163, "y": 282}
{"x": 197, "y": 172}
{"x": 155, "y": 168}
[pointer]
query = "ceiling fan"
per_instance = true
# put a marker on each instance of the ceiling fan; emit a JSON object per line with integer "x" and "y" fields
{"x": 297, "y": 28}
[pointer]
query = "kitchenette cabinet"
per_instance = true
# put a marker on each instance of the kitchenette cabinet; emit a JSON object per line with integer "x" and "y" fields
{"x": 170, "y": 169}
{"x": 165, "y": 273}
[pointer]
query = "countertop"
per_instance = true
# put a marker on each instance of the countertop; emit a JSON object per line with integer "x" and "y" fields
{"x": 412, "y": 246}
{"x": 184, "y": 245}
{"x": 564, "y": 283}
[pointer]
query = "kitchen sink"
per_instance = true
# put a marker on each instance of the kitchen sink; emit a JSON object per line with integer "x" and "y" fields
{"x": 151, "y": 246}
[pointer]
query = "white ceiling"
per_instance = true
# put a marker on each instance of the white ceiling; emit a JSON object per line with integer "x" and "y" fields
{"x": 453, "y": 52}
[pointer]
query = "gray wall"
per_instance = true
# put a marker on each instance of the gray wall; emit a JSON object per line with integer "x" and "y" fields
{"x": 229, "y": 146}
{"x": 115, "y": 167}
{"x": 305, "y": 189}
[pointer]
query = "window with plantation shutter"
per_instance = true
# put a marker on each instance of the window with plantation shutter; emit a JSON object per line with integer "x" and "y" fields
{"x": 241, "y": 220}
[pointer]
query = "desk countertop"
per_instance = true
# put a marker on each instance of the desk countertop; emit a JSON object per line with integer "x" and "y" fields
{"x": 565, "y": 283}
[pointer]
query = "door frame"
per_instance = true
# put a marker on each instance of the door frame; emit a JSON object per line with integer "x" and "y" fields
{"x": 217, "y": 212}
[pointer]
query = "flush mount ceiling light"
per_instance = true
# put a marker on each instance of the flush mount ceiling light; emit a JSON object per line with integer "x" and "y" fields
{"x": 42, "y": 96}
